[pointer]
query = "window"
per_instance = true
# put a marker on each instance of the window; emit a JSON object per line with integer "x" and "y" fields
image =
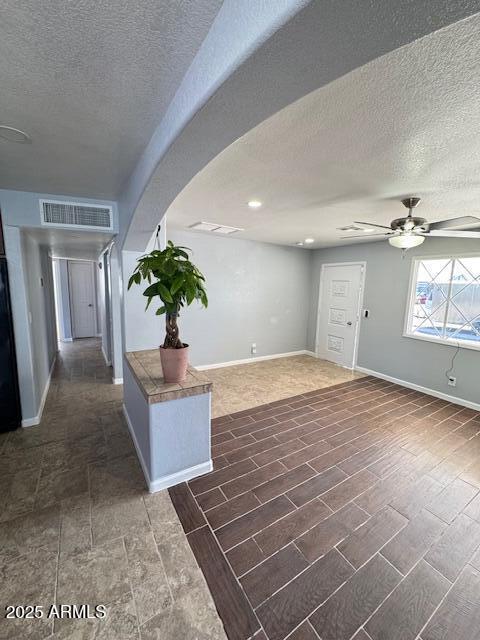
{"x": 445, "y": 301}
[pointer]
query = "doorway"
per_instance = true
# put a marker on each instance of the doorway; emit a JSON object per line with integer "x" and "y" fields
{"x": 81, "y": 277}
{"x": 340, "y": 299}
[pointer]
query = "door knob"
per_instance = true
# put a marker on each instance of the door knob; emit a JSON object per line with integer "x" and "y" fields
{"x": 91, "y": 305}
{"x": 349, "y": 323}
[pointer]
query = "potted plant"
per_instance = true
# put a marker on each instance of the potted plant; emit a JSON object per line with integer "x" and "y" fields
{"x": 177, "y": 282}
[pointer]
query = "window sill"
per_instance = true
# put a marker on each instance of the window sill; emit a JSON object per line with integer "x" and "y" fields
{"x": 463, "y": 344}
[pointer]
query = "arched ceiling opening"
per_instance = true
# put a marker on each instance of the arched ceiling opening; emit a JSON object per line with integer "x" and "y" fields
{"x": 406, "y": 123}
{"x": 322, "y": 42}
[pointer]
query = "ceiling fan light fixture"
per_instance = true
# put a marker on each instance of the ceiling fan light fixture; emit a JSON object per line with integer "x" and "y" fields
{"x": 406, "y": 240}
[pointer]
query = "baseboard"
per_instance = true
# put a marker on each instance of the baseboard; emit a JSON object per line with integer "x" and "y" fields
{"x": 107, "y": 361}
{"x": 181, "y": 476}
{"x": 31, "y": 422}
{"x": 166, "y": 481}
{"x": 66, "y": 339}
{"x": 417, "y": 387}
{"x": 137, "y": 447}
{"x": 231, "y": 363}
{"x": 117, "y": 380}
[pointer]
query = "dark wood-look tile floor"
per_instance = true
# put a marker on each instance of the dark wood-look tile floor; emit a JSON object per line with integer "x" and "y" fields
{"x": 351, "y": 512}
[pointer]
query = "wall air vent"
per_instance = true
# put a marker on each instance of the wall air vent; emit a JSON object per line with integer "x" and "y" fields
{"x": 214, "y": 228}
{"x": 76, "y": 215}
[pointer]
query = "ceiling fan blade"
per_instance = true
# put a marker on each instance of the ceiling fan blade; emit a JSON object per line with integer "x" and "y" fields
{"x": 453, "y": 222}
{"x": 371, "y": 224}
{"x": 369, "y": 235}
{"x": 452, "y": 234}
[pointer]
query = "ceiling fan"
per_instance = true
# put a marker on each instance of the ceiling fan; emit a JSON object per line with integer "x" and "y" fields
{"x": 411, "y": 231}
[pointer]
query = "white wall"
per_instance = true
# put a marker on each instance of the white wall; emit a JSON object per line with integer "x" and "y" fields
{"x": 257, "y": 293}
{"x": 382, "y": 347}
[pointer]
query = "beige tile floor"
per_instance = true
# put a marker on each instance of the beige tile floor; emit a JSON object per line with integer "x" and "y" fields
{"x": 249, "y": 385}
{"x": 77, "y": 525}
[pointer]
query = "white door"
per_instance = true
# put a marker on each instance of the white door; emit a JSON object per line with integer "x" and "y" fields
{"x": 339, "y": 312}
{"x": 82, "y": 299}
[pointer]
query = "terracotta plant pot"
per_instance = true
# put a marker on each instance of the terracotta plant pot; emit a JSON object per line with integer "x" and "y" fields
{"x": 174, "y": 364}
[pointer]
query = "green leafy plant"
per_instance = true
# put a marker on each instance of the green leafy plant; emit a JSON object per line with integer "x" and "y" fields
{"x": 173, "y": 279}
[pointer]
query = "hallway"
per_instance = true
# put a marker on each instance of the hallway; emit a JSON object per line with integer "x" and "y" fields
{"x": 77, "y": 525}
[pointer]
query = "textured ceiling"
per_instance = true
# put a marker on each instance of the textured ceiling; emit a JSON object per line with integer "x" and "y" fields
{"x": 89, "y": 81}
{"x": 63, "y": 243}
{"x": 407, "y": 123}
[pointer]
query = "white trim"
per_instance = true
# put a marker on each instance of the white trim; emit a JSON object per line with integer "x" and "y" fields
{"x": 31, "y": 422}
{"x": 107, "y": 361}
{"x": 93, "y": 275}
{"x": 274, "y": 356}
{"x": 66, "y": 339}
{"x": 417, "y": 387}
{"x": 407, "y": 332}
{"x": 172, "y": 479}
{"x": 463, "y": 344}
{"x": 181, "y": 476}
{"x": 363, "y": 265}
{"x": 75, "y": 204}
{"x": 117, "y": 380}
{"x": 137, "y": 447}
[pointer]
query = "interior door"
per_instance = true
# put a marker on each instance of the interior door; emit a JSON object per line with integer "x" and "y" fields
{"x": 339, "y": 312}
{"x": 82, "y": 299}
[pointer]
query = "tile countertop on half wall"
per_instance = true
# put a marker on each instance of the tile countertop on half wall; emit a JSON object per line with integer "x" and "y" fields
{"x": 147, "y": 369}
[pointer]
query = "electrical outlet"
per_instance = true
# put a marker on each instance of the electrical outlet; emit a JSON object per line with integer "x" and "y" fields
{"x": 452, "y": 381}
{"x": 253, "y": 348}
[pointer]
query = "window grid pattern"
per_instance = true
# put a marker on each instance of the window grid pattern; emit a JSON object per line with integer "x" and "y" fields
{"x": 446, "y": 300}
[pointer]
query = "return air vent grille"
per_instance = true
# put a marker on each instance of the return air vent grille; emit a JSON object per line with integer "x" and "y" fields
{"x": 214, "y": 227}
{"x": 74, "y": 214}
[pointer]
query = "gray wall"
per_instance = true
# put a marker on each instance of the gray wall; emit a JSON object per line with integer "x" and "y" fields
{"x": 104, "y": 306}
{"x": 63, "y": 301}
{"x": 23, "y": 338}
{"x": 257, "y": 293}
{"x": 41, "y": 309}
{"x": 21, "y": 209}
{"x": 382, "y": 347}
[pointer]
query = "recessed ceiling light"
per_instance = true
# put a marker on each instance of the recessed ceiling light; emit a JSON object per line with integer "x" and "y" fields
{"x": 299, "y": 244}
{"x": 254, "y": 204}
{"x": 14, "y": 135}
{"x": 309, "y": 240}
{"x": 365, "y": 230}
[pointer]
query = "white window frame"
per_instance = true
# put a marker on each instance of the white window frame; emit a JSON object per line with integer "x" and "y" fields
{"x": 407, "y": 333}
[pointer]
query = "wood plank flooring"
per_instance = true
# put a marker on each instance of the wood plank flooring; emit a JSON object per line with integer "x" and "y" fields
{"x": 347, "y": 513}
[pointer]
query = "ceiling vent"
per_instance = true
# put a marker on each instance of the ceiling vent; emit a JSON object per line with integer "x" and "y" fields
{"x": 351, "y": 227}
{"x": 75, "y": 215}
{"x": 214, "y": 228}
